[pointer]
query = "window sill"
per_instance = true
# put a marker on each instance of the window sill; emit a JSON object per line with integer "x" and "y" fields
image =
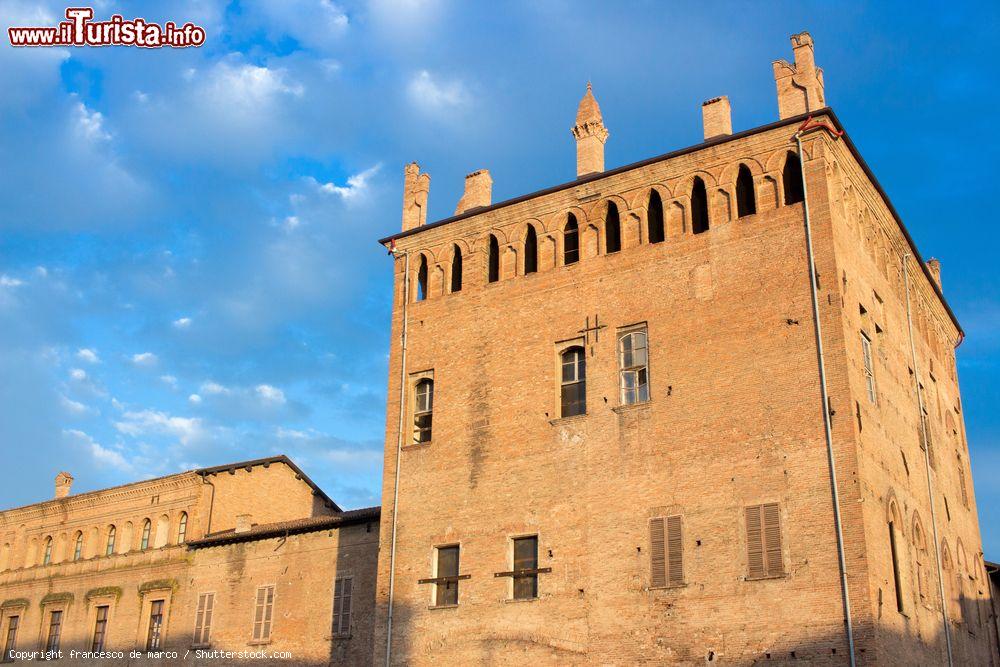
{"x": 415, "y": 445}
{"x": 766, "y": 577}
{"x": 630, "y": 407}
{"x": 667, "y": 588}
{"x": 518, "y": 600}
{"x": 566, "y": 420}
{"x": 442, "y": 606}
{"x": 259, "y": 642}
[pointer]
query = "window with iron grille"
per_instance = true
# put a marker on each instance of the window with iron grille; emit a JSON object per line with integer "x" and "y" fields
{"x": 263, "y": 611}
{"x": 573, "y": 387}
{"x": 423, "y": 411}
{"x": 525, "y": 568}
{"x": 446, "y": 592}
{"x": 154, "y": 637}
{"x": 342, "y": 594}
{"x": 10, "y": 641}
{"x": 100, "y": 629}
{"x": 633, "y": 364}
{"x": 666, "y": 553}
{"x": 55, "y": 631}
{"x": 866, "y": 353}
{"x": 203, "y": 619}
{"x": 763, "y": 526}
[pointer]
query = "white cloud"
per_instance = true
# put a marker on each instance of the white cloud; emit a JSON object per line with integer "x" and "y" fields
{"x": 7, "y": 281}
{"x": 213, "y": 388}
{"x": 194, "y": 399}
{"x": 72, "y": 407}
{"x": 78, "y": 374}
{"x": 101, "y": 454}
{"x": 90, "y": 124}
{"x": 357, "y": 185}
{"x": 88, "y": 355}
{"x": 146, "y": 423}
{"x": 182, "y": 323}
{"x": 145, "y": 359}
{"x": 313, "y": 23}
{"x": 431, "y": 94}
{"x": 270, "y": 394}
{"x": 169, "y": 380}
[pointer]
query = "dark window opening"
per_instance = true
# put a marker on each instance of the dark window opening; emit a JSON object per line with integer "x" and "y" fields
{"x": 110, "y": 549}
{"x": 699, "y": 206}
{"x": 571, "y": 241}
{"x": 895, "y": 567}
{"x": 456, "y": 270}
{"x": 55, "y": 631}
{"x": 423, "y": 411}
{"x": 100, "y": 629}
{"x": 446, "y": 592}
{"x": 612, "y": 230}
{"x": 791, "y": 175}
{"x": 573, "y": 390}
{"x": 10, "y": 642}
{"x": 530, "y": 251}
{"x": 654, "y": 216}
{"x": 146, "y": 528}
{"x": 525, "y": 558}
{"x": 422, "y": 279}
{"x": 494, "y": 260}
{"x": 746, "y": 200}
{"x": 155, "y": 635}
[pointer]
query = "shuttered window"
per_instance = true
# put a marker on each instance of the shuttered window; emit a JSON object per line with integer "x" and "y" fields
{"x": 342, "y": 590}
{"x": 763, "y": 524}
{"x": 263, "y": 609}
{"x": 203, "y": 619}
{"x": 666, "y": 553}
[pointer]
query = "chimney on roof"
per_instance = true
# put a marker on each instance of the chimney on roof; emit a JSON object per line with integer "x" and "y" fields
{"x": 478, "y": 191}
{"x": 934, "y": 266}
{"x": 590, "y": 135}
{"x": 64, "y": 482}
{"x": 416, "y": 187}
{"x": 717, "y": 118}
{"x": 800, "y": 86}
{"x": 244, "y": 522}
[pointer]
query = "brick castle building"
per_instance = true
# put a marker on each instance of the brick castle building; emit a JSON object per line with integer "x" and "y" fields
{"x": 702, "y": 408}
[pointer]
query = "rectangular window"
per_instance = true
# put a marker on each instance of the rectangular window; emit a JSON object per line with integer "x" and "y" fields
{"x": 423, "y": 410}
{"x": 573, "y": 385}
{"x": 666, "y": 553}
{"x": 55, "y": 631}
{"x": 866, "y": 353}
{"x": 763, "y": 524}
{"x": 633, "y": 365}
{"x": 446, "y": 592}
{"x": 154, "y": 638}
{"x": 203, "y": 619}
{"x": 100, "y": 629}
{"x": 263, "y": 610}
{"x": 10, "y": 641}
{"x": 525, "y": 558}
{"x": 342, "y": 592}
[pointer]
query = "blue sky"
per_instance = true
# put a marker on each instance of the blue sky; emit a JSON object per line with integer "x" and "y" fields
{"x": 188, "y": 267}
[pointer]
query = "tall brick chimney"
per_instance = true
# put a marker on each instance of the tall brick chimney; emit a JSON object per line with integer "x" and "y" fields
{"x": 416, "y": 187}
{"x": 590, "y": 135}
{"x": 478, "y": 191}
{"x": 800, "y": 86}
{"x": 717, "y": 118}
{"x": 64, "y": 482}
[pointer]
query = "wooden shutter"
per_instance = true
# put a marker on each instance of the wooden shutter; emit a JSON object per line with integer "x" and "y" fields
{"x": 342, "y": 606}
{"x": 772, "y": 539}
{"x": 675, "y": 547}
{"x": 657, "y": 554}
{"x": 209, "y": 608}
{"x": 199, "y": 620}
{"x": 755, "y": 543}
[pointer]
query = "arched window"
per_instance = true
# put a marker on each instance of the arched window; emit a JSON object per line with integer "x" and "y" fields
{"x": 110, "y": 549}
{"x": 422, "y": 279}
{"x": 456, "y": 269}
{"x": 612, "y": 229}
{"x": 182, "y": 528}
{"x": 894, "y": 544}
{"x": 746, "y": 200}
{"x": 920, "y": 550}
{"x": 147, "y": 527}
{"x": 78, "y": 546}
{"x": 573, "y": 389}
{"x": 791, "y": 176}
{"x": 699, "y": 206}
{"x": 654, "y": 217}
{"x": 423, "y": 411}
{"x": 571, "y": 241}
{"x": 494, "y": 259}
{"x": 47, "y": 554}
{"x": 530, "y": 250}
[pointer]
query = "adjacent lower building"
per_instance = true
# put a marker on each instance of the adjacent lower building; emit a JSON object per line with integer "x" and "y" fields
{"x": 246, "y": 559}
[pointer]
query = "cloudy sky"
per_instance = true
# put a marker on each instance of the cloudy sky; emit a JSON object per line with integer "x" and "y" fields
{"x": 188, "y": 267}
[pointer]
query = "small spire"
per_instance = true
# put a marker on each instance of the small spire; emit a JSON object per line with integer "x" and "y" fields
{"x": 588, "y": 111}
